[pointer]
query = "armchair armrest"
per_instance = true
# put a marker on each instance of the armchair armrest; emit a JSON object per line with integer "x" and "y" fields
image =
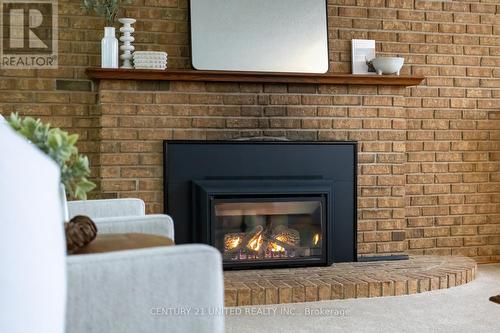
{"x": 146, "y": 290}
{"x": 161, "y": 225}
{"x": 106, "y": 208}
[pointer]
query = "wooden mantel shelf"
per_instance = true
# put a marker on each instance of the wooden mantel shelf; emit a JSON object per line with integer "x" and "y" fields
{"x": 255, "y": 77}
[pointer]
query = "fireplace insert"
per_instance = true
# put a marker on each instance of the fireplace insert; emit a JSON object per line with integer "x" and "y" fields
{"x": 264, "y": 204}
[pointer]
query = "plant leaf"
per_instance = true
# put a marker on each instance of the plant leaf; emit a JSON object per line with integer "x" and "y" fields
{"x": 61, "y": 147}
{"x": 72, "y": 139}
{"x": 54, "y": 139}
{"x": 86, "y": 185}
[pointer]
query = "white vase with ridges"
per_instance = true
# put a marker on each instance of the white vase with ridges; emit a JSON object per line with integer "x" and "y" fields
{"x": 127, "y": 48}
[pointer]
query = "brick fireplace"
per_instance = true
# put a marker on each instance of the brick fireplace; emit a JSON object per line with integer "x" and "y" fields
{"x": 137, "y": 116}
{"x": 428, "y": 155}
{"x": 415, "y": 194}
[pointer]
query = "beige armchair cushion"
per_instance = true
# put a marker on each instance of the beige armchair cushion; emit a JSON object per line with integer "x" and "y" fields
{"x": 120, "y": 242}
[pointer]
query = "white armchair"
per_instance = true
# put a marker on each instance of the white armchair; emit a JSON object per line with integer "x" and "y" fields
{"x": 154, "y": 290}
{"x": 32, "y": 249}
{"x": 123, "y": 215}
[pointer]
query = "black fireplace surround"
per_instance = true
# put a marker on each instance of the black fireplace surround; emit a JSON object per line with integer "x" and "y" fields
{"x": 264, "y": 203}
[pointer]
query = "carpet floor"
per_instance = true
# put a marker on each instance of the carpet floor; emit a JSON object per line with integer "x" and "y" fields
{"x": 465, "y": 308}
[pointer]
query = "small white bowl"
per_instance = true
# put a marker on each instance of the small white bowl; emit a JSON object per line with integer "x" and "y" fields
{"x": 388, "y": 65}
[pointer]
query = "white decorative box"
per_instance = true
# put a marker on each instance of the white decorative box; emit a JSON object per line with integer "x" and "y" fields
{"x": 150, "y": 60}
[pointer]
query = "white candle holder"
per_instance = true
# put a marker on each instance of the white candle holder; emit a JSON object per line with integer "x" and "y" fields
{"x": 127, "y": 39}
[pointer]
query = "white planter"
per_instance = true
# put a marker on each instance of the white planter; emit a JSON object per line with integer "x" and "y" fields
{"x": 388, "y": 65}
{"x": 64, "y": 202}
{"x": 109, "y": 49}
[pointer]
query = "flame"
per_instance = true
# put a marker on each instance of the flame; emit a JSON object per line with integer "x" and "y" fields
{"x": 276, "y": 248}
{"x": 316, "y": 239}
{"x": 233, "y": 242}
{"x": 255, "y": 242}
{"x": 281, "y": 238}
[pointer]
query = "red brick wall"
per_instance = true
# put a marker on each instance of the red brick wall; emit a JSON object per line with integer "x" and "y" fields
{"x": 429, "y": 155}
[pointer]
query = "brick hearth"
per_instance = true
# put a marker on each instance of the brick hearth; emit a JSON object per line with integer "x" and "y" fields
{"x": 346, "y": 280}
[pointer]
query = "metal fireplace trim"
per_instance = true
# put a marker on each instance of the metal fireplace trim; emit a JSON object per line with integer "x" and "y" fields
{"x": 271, "y": 262}
{"x": 204, "y": 192}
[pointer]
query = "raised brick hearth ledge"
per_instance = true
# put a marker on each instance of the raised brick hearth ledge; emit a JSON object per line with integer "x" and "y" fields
{"x": 347, "y": 280}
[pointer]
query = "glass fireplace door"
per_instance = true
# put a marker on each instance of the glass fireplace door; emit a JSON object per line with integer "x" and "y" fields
{"x": 269, "y": 230}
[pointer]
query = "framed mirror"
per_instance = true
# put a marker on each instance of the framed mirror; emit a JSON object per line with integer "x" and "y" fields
{"x": 260, "y": 35}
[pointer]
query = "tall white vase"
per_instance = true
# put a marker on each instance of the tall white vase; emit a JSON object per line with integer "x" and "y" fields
{"x": 126, "y": 39}
{"x": 109, "y": 49}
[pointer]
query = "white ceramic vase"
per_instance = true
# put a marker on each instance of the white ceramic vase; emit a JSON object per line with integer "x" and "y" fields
{"x": 127, "y": 48}
{"x": 109, "y": 49}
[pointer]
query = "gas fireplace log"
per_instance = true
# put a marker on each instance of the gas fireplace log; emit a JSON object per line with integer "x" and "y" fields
{"x": 270, "y": 239}
{"x": 265, "y": 237}
{"x": 244, "y": 242}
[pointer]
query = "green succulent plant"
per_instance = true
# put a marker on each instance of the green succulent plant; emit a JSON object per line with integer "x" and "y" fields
{"x": 61, "y": 147}
{"x": 105, "y": 8}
